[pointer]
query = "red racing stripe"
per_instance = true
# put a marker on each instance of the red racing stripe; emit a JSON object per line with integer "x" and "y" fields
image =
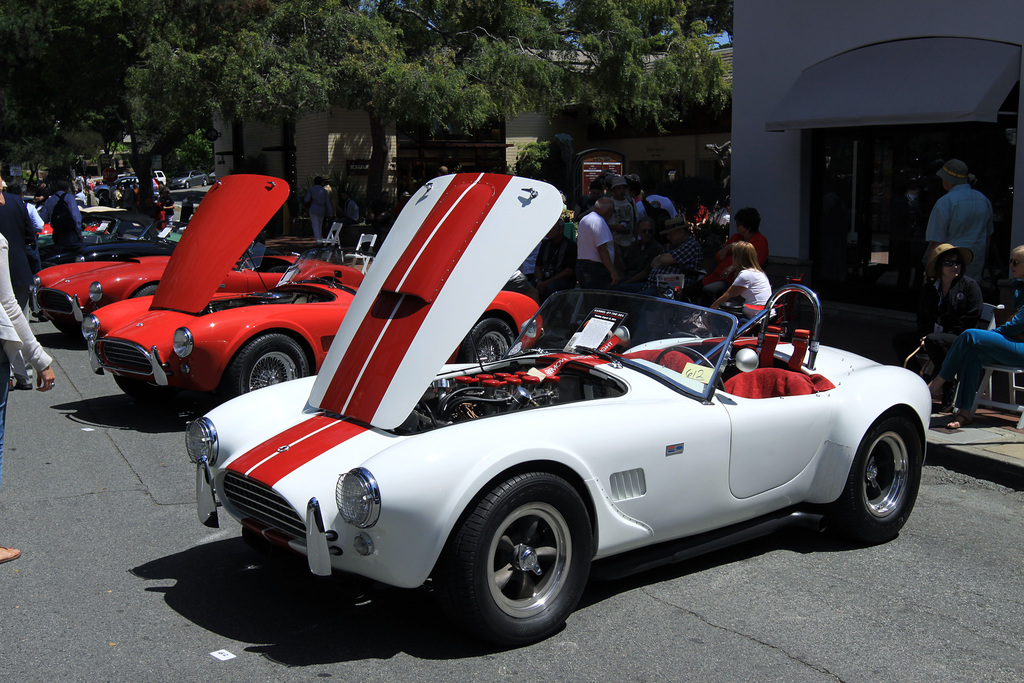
{"x": 284, "y": 453}
{"x": 379, "y": 345}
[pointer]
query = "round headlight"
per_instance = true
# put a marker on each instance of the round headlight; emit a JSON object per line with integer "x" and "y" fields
{"x": 183, "y": 342}
{"x": 90, "y": 327}
{"x": 358, "y": 498}
{"x": 201, "y": 440}
{"x": 95, "y": 292}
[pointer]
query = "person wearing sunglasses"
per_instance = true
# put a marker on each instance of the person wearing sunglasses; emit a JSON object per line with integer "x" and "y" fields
{"x": 976, "y": 348}
{"x": 950, "y": 303}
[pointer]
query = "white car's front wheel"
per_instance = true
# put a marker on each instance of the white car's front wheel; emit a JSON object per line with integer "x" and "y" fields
{"x": 517, "y": 565}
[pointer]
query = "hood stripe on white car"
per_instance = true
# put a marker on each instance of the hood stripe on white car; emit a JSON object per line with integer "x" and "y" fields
{"x": 404, "y": 301}
{"x": 284, "y": 453}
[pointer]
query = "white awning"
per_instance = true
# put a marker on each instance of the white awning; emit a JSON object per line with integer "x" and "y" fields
{"x": 920, "y": 80}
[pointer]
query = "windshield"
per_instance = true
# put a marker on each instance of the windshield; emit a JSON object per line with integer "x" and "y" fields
{"x": 678, "y": 341}
{"x": 97, "y": 229}
{"x": 316, "y": 264}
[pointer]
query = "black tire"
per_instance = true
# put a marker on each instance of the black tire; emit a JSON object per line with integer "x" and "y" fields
{"x": 268, "y": 359}
{"x": 516, "y": 566}
{"x": 145, "y": 290}
{"x": 490, "y": 338}
{"x": 883, "y": 483}
{"x": 142, "y": 390}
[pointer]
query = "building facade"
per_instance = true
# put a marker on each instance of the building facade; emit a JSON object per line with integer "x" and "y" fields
{"x": 842, "y": 113}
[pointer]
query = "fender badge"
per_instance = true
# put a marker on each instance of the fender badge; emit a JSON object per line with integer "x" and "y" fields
{"x": 282, "y": 449}
{"x": 674, "y": 449}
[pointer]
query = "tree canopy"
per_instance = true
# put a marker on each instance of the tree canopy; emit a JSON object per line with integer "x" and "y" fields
{"x": 156, "y": 70}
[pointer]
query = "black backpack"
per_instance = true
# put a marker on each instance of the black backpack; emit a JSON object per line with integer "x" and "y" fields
{"x": 65, "y": 231}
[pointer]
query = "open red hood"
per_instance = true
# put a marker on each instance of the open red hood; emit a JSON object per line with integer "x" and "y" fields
{"x": 231, "y": 215}
{"x": 452, "y": 249}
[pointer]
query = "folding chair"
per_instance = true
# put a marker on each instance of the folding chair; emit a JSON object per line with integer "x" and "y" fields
{"x": 363, "y": 254}
{"x": 333, "y": 235}
{"x": 1013, "y": 376}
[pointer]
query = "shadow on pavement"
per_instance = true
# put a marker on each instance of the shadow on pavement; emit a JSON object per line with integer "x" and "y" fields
{"x": 294, "y": 618}
{"x": 123, "y": 412}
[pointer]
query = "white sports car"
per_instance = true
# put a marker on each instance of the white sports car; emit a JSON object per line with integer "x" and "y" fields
{"x": 620, "y": 432}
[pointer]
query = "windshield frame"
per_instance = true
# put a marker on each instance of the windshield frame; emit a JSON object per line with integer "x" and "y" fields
{"x": 638, "y": 311}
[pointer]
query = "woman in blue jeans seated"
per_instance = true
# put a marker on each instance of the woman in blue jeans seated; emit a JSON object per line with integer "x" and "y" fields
{"x": 975, "y": 349}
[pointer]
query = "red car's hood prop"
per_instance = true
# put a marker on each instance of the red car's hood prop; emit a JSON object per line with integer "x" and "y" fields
{"x": 455, "y": 244}
{"x": 227, "y": 220}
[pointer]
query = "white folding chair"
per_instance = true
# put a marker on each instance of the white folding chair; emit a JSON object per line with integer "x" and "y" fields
{"x": 363, "y": 254}
{"x": 334, "y": 234}
{"x": 1013, "y": 376}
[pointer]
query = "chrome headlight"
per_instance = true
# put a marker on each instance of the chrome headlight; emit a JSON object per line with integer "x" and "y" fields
{"x": 358, "y": 498}
{"x": 95, "y": 292}
{"x": 201, "y": 440}
{"x": 183, "y": 343}
{"x": 90, "y": 327}
{"x": 36, "y": 282}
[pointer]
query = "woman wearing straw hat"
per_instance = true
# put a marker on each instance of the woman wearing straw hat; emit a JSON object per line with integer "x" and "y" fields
{"x": 976, "y": 348}
{"x": 950, "y": 301}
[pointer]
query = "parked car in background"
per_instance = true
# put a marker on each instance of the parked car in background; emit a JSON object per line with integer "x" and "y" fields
{"x": 190, "y": 179}
{"x": 108, "y": 234}
{"x": 159, "y": 176}
{"x": 64, "y": 294}
{"x": 187, "y": 338}
{"x": 619, "y": 433}
{"x": 108, "y": 195}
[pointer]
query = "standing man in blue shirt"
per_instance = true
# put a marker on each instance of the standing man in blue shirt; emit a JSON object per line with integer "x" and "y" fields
{"x": 961, "y": 217}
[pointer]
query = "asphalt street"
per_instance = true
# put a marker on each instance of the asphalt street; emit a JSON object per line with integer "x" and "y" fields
{"x": 119, "y": 581}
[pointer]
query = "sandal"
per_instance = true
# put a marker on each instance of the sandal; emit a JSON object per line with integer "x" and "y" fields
{"x": 962, "y": 419}
{"x": 9, "y": 554}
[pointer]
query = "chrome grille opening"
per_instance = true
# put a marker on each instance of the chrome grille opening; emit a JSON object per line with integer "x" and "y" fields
{"x": 123, "y": 355}
{"x": 261, "y": 502}
{"x": 54, "y": 301}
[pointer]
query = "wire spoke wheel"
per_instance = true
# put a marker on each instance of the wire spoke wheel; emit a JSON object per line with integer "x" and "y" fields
{"x": 272, "y": 368}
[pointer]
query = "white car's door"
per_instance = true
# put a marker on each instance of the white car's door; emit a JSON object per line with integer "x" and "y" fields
{"x": 773, "y": 439}
{"x": 673, "y": 473}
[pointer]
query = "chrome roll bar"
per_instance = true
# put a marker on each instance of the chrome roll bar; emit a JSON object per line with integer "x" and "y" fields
{"x": 764, "y": 319}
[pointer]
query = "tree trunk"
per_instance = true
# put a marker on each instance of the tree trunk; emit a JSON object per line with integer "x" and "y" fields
{"x": 378, "y": 157}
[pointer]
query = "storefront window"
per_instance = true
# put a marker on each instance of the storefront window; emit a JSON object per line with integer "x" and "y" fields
{"x": 872, "y": 193}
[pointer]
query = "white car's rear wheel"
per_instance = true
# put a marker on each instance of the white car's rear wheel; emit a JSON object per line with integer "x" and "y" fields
{"x": 883, "y": 482}
{"x": 517, "y": 565}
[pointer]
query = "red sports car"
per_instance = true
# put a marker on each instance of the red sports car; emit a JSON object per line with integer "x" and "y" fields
{"x": 234, "y": 344}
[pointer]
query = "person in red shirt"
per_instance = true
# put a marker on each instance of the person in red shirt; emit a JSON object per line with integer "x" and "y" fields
{"x": 748, "y": 229}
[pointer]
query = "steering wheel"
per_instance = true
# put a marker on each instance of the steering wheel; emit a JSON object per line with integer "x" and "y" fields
{"x": 696, "y": 356}
{"x": 693, "y": 353}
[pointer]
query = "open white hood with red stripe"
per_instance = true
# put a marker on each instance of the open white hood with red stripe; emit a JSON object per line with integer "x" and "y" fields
{"x": 450, "y": 252}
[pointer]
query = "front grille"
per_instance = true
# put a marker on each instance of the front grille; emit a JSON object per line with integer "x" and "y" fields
{"x": 261, "y": 502}
{"x": 124, "y": 355}
{"x": 54, "y": 301}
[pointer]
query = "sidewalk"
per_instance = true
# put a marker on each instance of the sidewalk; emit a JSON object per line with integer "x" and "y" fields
{"x": 990, "y": 448}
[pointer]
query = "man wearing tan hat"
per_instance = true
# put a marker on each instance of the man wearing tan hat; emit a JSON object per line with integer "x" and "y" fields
{"x": 962, "y": 217}
{"x": 683, "y": 255}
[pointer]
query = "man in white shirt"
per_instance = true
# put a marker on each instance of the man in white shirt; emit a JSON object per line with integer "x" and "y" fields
{"x": 595, "y": 259}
